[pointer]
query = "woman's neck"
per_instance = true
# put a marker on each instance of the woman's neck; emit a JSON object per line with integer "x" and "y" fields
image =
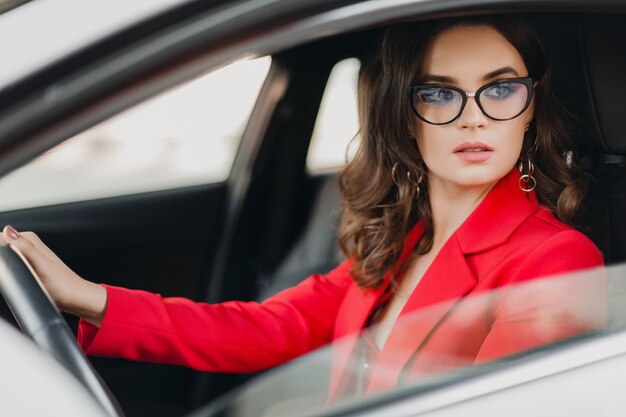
{"x": 451, "y": 205}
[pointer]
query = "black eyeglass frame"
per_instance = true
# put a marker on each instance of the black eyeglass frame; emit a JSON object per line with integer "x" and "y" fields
{"x": 526, "y": 81}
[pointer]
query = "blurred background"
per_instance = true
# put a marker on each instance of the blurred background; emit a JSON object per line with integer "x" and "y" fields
{"x": 186, "y": 136}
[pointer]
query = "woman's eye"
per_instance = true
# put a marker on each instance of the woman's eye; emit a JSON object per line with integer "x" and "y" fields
{"x": 500, "y": 91}
{"x": 436, "y": 95}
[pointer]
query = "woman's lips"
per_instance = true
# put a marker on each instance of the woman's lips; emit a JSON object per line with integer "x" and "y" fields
{"x": 473, "y": 152}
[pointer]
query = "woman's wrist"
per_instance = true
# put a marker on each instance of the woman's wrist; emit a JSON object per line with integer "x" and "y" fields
{"x": 89, "y": 302}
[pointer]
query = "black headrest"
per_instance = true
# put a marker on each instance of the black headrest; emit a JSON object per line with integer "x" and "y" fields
{"x": 604, "y": 46}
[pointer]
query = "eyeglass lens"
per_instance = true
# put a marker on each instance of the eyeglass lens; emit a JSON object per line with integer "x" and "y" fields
{"x": 440, "y": 104}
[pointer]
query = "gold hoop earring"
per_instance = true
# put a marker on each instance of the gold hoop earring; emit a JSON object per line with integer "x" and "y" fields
{"x": 415, "y": 184}
{"x": 526, "y": 178}
{"x": 394, "y": 174}
{"x": 409, "y": 177}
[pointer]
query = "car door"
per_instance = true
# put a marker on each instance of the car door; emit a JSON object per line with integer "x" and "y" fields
{"x": 139, "y": 201}
{"x": 123, "y": 202}
{"x": 167, "y": 195}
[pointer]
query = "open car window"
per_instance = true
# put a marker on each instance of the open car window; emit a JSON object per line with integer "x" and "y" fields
{"x": 503, "y": 329}
{"x": 184, "y": 137}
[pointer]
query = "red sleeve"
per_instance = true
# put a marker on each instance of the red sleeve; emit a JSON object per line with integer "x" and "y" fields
{"x": 548, "y": 310}
{"x": 232, "y": 336}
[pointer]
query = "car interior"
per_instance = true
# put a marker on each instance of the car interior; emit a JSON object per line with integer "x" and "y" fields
{"x": 249, "y": 239}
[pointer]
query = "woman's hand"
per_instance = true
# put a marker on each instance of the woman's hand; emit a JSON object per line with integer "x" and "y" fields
{"x": 70, "y": 292}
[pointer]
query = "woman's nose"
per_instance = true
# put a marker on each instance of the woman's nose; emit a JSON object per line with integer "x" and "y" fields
{"x": 472, "y": 116}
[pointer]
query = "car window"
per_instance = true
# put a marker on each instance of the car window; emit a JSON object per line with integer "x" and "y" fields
{"x": 186, "y": 136}
{"x": 473, "y": 336}
{"x": 335, "y": 136}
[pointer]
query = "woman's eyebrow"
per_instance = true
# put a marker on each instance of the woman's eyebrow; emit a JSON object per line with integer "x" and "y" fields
{"x": 437, "y": 78}
{"x": 450, "y": 80}
{"x": 501, "y": 71}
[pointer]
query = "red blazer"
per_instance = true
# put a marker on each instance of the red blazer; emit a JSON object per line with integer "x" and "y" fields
{"x": 508, "y": 239}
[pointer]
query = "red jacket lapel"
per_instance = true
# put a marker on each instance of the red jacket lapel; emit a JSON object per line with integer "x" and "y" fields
{"x": 355, "y": 310}
{"x": 410, "y": 330}
{"x": 496, "y": 218}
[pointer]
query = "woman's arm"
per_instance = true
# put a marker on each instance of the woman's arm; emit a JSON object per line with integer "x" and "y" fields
{"x": 227, "y": 337}
{"x": 232, "y": 336}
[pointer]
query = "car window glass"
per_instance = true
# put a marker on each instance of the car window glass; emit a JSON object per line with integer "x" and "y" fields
{"x": 186, "y": 136}
{"x": 511, "y": 327}
{"x": 337, "y": 123}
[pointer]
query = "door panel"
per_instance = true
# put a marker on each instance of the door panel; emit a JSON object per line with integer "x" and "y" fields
{"x": 159, "y": 242}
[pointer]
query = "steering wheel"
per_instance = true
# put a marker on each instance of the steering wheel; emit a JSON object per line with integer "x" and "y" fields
{"x": 41, "y": 320}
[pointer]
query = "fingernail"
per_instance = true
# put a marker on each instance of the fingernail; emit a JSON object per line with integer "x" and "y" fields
{"x": 12, "y": 233}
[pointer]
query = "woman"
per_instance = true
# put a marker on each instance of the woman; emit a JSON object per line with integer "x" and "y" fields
{"x": 464, "y": 181}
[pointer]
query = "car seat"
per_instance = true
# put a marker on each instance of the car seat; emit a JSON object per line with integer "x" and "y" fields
{"x": 317, "y": 250}
{"x": 604, "y": 47}
{"x": 603, "y": 39}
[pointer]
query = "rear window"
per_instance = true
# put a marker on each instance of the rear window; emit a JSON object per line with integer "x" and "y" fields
{"x": 335, "y": 136}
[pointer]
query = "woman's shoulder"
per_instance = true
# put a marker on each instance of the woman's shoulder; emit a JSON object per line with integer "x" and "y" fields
{"x": 542, "y": 226}
{"x": 552, "y": 246}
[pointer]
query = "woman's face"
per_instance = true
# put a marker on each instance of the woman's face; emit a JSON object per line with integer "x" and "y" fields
{"x": 469, "y": 57}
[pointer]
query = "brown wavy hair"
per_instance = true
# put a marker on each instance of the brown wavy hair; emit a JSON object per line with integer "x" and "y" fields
{"x": 380, "y": 210}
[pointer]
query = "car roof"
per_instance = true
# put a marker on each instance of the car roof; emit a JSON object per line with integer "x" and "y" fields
{"x": 59, "y": 33}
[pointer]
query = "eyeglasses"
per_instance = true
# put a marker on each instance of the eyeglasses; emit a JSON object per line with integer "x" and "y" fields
{"x": 440, "y": 104}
